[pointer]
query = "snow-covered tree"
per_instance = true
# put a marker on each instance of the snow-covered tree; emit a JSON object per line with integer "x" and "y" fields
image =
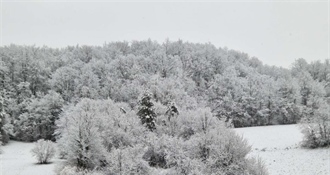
{"x": 146, "y": 111}
{"x": 81, "y": 138}
{"x": 87, "y": 84}
{"x": 316, "y": 129}
{"x": 63, "y": 81}
{"x": 4, "y": 125}
{"x": 38, "y": 121}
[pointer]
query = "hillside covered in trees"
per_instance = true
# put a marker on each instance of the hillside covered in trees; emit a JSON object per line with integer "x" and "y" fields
{"x": 48, "y": 93}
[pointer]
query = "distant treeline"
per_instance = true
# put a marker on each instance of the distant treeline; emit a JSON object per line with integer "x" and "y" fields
{"x": 38, "y": 83}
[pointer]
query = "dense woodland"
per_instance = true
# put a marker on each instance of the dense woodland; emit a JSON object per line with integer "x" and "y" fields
{"x": 157, "y": 106}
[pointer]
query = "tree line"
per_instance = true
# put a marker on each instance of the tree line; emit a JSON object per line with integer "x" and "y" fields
{"x": 142, "y": 107}
{"x": 39, "y": 83}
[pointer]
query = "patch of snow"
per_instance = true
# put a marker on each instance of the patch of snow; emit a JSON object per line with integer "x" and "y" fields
{"x": 296, "y": 161}
{"x": 279, "y": 147}
{"x": 16, "y": 159}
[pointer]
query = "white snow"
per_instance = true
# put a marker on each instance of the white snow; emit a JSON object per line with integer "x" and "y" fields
{"x": 16, "y": 159}
{"x": 279, "y": 147}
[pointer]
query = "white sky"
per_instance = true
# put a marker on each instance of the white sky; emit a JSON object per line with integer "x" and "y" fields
{"x": 277, "y": 32}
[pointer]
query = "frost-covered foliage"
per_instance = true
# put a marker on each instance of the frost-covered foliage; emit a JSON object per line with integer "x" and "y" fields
{"x": 199, "y": 144}
{"x": 315, "y": 109}
{"x": 72, "y": 170}
{"x": 127, "y": 160}
{"x": 39, "y": 120}
{"x": 316, "y": 129}
{"x": 81, "y": 139}
{"x": 238, "y": 89}
{"x": 5, "y": 126}
{"x": 100, "y": 136}
{"x": 146, "y": 112}
{"x": 91, "y": 100}
{"x": 92, "y": 128}
{"x": 44, "y": 150}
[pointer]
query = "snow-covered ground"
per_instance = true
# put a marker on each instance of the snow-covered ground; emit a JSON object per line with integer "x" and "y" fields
{"x": 279, "y": 147}
{"x": 16, "y": 159}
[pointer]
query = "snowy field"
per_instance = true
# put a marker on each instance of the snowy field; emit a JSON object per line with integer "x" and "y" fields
{"x": 16, "y": 159}
{"x": 279, "y": 147}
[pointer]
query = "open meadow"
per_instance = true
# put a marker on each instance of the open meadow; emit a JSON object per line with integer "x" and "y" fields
{"x": 279, "y": 147}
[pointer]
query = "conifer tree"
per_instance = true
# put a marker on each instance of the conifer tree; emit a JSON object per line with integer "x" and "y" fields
{"x": 146, "y": 112}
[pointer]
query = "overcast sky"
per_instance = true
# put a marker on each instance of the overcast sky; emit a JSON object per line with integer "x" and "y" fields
{"x": 276, "y": 32}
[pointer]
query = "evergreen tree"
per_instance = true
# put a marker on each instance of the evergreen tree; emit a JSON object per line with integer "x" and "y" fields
{"x": 146, "y": 112}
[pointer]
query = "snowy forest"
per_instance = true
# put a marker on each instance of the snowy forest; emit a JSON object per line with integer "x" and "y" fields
{"x": 144, "y": 107}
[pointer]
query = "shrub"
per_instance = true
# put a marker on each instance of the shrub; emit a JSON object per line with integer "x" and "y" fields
{"x": 316, "y": 129}
{"x": 72, "y": 170}
{"x": 92, "y": 129}
{"x": 256, "y": 166}
{"x": 113, "y": 142}
{"x": 43, "y": 151}
{"x": 209, "y": 148}
{"x": 127, "y": 161}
